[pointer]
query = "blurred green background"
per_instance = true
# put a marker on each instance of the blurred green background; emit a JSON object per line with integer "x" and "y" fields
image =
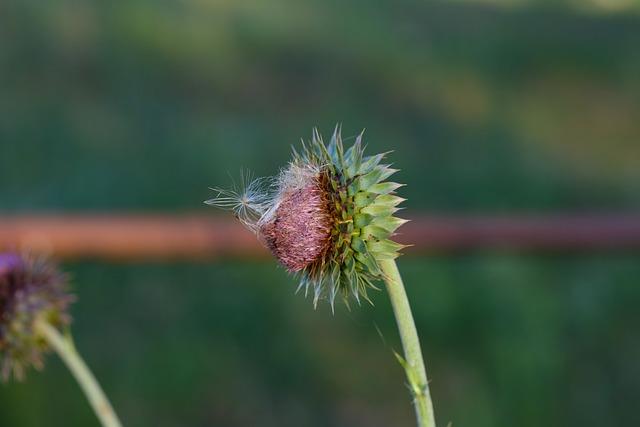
{"x": 509, "y": 107}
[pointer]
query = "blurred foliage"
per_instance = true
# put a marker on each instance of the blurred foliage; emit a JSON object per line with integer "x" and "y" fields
{"x": 490, "y": 106}
{"x": 510, "y": 340}
{"x": 487, "y": 108}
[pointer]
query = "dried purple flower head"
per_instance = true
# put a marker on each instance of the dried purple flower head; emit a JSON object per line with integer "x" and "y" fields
{"x": 31, "y": 290}
{"x": 298, "y": 231}
{"x": 328, "y": 216}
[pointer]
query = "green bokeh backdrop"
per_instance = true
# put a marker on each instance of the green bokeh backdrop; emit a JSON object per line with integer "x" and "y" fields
{"x": 489, "y": 106}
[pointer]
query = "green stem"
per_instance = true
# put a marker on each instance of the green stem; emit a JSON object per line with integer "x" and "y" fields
{"x": 413, "y": 361}
{"x": 68, "y": 353}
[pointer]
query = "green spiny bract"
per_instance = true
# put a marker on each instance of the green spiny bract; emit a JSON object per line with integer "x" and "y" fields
{"x": 330, "y": 217}
{"x": 362, "y": 205}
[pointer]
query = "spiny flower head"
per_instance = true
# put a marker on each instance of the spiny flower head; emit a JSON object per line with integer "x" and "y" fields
{"x": 328, "y": 216}
{"x": 31, "y": 290}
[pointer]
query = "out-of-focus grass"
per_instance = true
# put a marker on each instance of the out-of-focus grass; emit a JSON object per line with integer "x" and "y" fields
{"x": 487, "y": 107}
{"x": 510, "y": 340}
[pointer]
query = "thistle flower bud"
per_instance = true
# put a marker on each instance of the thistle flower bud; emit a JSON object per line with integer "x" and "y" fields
{"x": 299, "y": 230}
{"x": 31, "y": 290}
{"x": 328, "y": 216}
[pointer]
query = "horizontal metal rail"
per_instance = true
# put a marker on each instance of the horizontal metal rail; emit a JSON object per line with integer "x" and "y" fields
{"x": 165, "y": 237}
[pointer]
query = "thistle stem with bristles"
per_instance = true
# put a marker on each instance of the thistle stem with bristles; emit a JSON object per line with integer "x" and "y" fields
{"x": 66, "y": 350}
{"x": 412, "y": 361}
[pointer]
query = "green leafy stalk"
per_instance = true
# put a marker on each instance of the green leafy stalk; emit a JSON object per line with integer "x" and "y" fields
{"x": 412, "y": 361}
{"x": 68, "y": 353}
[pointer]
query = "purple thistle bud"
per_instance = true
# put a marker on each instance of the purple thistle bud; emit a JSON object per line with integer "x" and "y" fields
{"x": 328, "y": 216}
{"x": 31, "y": 289}
{"x": 299, "y": 233}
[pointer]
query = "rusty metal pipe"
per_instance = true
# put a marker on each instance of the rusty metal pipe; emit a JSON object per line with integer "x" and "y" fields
{"x": 193, "y": 237}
